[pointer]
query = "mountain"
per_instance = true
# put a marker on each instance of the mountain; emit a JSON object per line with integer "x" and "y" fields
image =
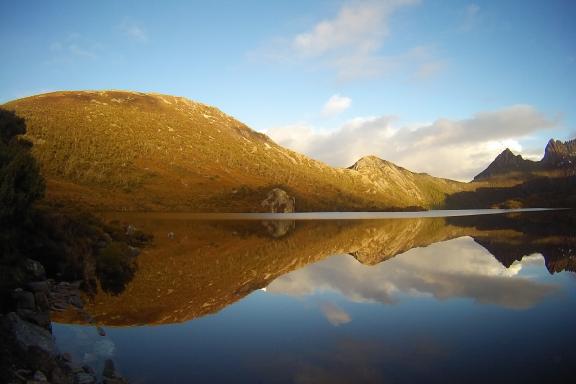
{"x": 559, "y": 158}
{"x": 511, "y": 181}
{"x": 506, "y": 163}
{"x": 559, "y": 154}
{"x": 120, "y": 150}
{"x": 393, "y": 180}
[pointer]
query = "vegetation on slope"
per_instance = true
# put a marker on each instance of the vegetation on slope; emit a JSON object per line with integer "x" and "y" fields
{"x": 20, "y": 184}
{"x": 65, "y": 241}
{"x": 163, "y": 152}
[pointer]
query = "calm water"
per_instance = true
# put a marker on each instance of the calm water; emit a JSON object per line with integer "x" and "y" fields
{"x": 471, "y": 299}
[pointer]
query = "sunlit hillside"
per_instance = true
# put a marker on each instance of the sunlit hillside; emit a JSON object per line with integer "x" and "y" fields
{"x": 130, "y": 150}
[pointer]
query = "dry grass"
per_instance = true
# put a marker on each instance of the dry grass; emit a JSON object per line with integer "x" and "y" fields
{"x": 127, "y": 150}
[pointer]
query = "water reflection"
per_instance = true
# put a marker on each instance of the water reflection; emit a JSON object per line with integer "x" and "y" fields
{"x": 457, "y": 268}
{"x": 197, "y": 268}
{"x": 404, "y": 301}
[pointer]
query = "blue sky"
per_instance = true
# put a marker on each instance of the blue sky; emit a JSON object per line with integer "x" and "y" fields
{"x": 410, "y": 81}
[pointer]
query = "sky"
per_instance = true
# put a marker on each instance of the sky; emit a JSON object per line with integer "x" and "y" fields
{"x": 437, "y": 86}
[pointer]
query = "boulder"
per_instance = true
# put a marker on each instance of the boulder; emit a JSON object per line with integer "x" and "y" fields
{"x": 42, "y": 302}
{"x": 24, "y": 299}
{"x": 35, "y": 269}
{"x": 39, "y": 376}
{"x": 41, "y": 318}
{"x": 28, "y": 335}
{"x": 39, "y": 286}
{"x": 278, "y": 201}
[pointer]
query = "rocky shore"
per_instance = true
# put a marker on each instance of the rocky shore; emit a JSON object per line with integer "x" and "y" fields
{"x": 28, "y": 350}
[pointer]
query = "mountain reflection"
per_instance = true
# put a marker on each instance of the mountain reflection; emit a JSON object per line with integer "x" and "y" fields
{"x": 455, "y": 268}
{"x": 195, "y": 268}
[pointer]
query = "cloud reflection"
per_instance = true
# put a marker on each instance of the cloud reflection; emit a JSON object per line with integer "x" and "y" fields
{"x": 457, "y": 268}
{"x": 334, "y": 314}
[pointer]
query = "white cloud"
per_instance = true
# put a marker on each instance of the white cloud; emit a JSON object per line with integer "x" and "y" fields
{"x": 351, "y": 44}
{"x": 134, "y": 31}
{"x": 457, "y": 149}
{"x": 335, "y": 105}
{"x": 359, "y": 27}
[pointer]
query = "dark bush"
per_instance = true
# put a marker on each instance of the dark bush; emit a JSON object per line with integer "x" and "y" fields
{"x": 11, "y": 125}
{"x": 20, "y": 182}
{"x": 115, "y": 267}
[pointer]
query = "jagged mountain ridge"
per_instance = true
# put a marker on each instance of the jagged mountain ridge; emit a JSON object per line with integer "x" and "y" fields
{"x": 558, "y": 156}
{"x": 139, "y": 151}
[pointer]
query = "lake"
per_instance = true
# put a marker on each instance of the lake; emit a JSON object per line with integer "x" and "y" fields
{"x": 339, "y": 298}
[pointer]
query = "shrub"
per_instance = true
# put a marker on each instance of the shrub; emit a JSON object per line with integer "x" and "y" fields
{"x": 115, "y": 267}
{"x": 20, "y": 182}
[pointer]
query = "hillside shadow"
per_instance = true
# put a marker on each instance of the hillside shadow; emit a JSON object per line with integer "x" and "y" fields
{"x": 545, "y": 192}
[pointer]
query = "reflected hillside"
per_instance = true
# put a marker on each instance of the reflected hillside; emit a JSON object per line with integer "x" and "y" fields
{"x": 454, "y": 269}
{"x": 197, "y": 268}
{"x": 548, "y": 233}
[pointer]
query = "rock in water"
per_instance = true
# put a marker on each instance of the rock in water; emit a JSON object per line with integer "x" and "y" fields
{"x": 278, "y": 201}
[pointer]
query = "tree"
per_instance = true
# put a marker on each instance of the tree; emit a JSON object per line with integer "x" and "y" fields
{"x": 11, "y": 125}
{"x": 20, "y": 181}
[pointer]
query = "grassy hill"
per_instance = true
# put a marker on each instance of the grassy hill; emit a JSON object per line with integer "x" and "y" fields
{"x": 137, "y": 151}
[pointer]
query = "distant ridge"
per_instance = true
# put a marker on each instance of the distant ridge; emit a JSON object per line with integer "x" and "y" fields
{"x": 558, "y": 156}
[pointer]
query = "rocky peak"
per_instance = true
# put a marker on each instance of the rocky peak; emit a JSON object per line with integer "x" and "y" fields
{"x": 560, "y": 154}
{"x": 369, "y": 163}
{"x": 509, "y": 159}
{"x": 507, "y": 154}
{"x": 505, "y": 162}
